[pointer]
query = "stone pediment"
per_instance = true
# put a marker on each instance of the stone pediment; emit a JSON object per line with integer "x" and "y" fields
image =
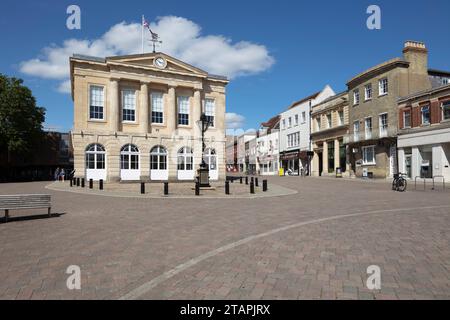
{"x": 157, "y": 61}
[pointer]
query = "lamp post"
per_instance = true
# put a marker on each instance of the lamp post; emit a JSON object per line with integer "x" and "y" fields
{"x": 203, "y": 172}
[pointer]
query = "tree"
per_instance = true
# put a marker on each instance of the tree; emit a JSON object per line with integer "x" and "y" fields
{"x": 20, "y": 119}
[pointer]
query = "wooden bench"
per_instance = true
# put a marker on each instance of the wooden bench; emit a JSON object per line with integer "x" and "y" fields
{"x": 24, "y": 201}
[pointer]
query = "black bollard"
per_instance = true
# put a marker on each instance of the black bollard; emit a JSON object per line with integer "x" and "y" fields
{"x": 227, "y": 187}
{"x": 71, "y": 182}
{"x": 82, "y": 182}
{"x": 197, "y": 189}
{"x": 256, "y": 182}
{"x": 264, "y": 185}
{"x": 142, "y": 187}
{"x": 100, "y": 184}
{"x": 240, "y": 178}
{"x": 252, "y": 180}
{"x": 78, "y": 182}
{"x": 246, "y": 180}
{"x": 91, "y": 183}
{"x": 252, "y": 188}
{"x": 166, "y": 188}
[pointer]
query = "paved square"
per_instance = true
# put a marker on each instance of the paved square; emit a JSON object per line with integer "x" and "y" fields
{"x": 316, "y": 244}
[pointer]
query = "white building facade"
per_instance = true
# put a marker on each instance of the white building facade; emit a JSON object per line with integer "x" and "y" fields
{"x": 268, "y": 147}
{"x": 295, "y": 132}
{"x": 243, "y": 152}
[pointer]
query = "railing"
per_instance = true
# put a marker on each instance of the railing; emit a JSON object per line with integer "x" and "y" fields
{"x": 369, "y": 135}
{"x": 443, "y": 181}
{"x": 425, "y": 182}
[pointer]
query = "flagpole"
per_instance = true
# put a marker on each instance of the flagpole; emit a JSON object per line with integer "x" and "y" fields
{"x": 142, "y": 33}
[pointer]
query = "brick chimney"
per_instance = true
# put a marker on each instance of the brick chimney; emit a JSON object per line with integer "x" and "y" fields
{"x": 416, "y": 53}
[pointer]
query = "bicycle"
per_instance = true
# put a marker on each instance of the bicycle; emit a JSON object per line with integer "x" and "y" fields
{"x": 399, "y": 184}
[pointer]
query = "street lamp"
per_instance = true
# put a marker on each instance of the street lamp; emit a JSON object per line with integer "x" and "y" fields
{"x": 203, "y": 172}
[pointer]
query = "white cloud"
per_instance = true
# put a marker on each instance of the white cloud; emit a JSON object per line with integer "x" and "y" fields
{"x": 65, "y": 87}
{"x": 181, "y": 37}
{"x": 234, "y": 121}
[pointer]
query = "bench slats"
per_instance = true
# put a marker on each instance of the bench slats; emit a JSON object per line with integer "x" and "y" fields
{"x": 25, "y": 201}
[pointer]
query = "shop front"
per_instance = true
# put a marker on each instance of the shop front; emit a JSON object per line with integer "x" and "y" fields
{"x": 290, "y": 162}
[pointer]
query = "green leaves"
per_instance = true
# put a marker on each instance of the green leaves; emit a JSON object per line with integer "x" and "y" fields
{"x": 20, "y": 119}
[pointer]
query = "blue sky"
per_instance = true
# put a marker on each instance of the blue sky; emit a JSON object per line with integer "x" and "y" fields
{"x": 299, "y": 46}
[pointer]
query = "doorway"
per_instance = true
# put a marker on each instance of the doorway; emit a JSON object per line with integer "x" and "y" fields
{"x": 408, "y": 166}
{"x": 320, "y": 163}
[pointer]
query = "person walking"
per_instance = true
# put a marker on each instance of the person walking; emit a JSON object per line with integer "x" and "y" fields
{"x": 56, "y": 174}
{"x": 62, "y": 174}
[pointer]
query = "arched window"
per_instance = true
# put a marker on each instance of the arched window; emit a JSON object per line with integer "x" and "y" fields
{"x": 129, "y": 157}
{"x": 210, "y": 157}
{"x": 158, "y": 158}
{"x": 95, "y": 156}
{"x": 185, "y": 159}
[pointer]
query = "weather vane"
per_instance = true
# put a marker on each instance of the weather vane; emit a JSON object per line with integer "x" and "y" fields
{"x": 155, "y": 37}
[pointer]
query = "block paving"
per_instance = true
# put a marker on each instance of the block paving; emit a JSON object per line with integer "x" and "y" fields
{"x": 315, "y": 244}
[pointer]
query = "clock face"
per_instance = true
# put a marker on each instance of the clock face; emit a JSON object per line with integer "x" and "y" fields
{"x": 160, "y": 62}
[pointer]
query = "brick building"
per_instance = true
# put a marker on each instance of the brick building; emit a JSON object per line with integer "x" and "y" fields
{"x": 424, "y": 133}
{"x": 373, "y": 114}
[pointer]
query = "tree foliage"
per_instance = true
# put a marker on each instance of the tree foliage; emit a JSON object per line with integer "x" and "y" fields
{"x": 20, "y": 119}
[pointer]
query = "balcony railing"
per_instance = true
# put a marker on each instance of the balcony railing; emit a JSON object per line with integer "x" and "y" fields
{"x": 370, "y": 135}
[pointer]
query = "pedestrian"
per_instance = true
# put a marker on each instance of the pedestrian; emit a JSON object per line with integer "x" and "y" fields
{"x": 56, "y": 174}
{"x": 62, "y": 174}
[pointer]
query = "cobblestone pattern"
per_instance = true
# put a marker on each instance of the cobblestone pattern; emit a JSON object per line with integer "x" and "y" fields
{"x": 122, "y": 243}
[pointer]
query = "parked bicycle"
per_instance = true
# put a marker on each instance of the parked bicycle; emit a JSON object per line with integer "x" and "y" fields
{"x": 399, "y": 183}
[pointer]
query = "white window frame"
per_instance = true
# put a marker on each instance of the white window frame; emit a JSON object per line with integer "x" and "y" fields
{"x": 383, "y": 87}
{"x": 186, "y": 110}
{"x": 329, "y": 120}
{"x": 187, "y": 155}
{"x": 364, "y": 158}
{"x": 356, "y": 133}
{"x": 445, "y": 81}
{"x": 133, "y": 108}
{"x": 383, "y": 131}
{"x": 90, "y": 102}
{"x": 367, "y": 90}
{"x": 318, "y": 123}
{"x": 126, "y": 153}
{"x": 422, "y": 115}
{"x": 442, "y": 108}
{"x": 210, "y": 111}
{"x": 290, "y": 122}
{"x": 341, "y": 119}
{"x": 356, "y": 97}
{"x": 98, "y": 150}
{"x": 368, "y": 133}
{"x": 303, "y": 116}
{"x": 404, "y": 118}
{"x": 296, "y": 120}
{"x": 160, "y": 153}
{"x": 158, "y": 108}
